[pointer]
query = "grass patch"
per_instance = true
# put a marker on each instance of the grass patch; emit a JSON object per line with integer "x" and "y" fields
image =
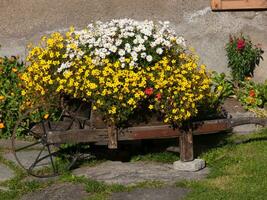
{"x": 102, "y": 191}
{"x": 163, "y": 157}
{"x": 18, "y": 186}
{"x": 238, "y": 171}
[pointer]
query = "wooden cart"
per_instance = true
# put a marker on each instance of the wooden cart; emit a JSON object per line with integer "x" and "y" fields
{"x": 49, "y": 136}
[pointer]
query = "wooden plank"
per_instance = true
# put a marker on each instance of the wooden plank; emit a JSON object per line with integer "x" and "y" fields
{"x": 238, "y": 4}
{"x": 75, "y": 136}
{"x": 96, "y": 135}
{"x": 149, "y": 132}
{"x": 211, "y": 126}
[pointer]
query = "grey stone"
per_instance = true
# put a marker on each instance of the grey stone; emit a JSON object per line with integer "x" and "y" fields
{"x": 234, "y": 109}
{"x": 169, "y": 193}
{"x": 5, "y": 173}
{"x": 28, "y": 157}
{"x": 247, "y": 128}
{"x": 7, "y": 144}
{"x": 64, "y": 191}
{"x": 174, "y": 149}
{"x": 205, "y": 30}
{"x": 136, "y": 172}
{"x": 190, "y": 166}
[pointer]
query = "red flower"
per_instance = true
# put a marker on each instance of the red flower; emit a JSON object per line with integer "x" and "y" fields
{"x": 158, "y": 96}
{"x": 241, "y": 44}
{"x": 252, "y": 93}
{"x": 149, "y": 91}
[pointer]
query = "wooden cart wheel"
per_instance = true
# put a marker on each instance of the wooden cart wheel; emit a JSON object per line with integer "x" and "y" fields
{"x": 34, "y": 153}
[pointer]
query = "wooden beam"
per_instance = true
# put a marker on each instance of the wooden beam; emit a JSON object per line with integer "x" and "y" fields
{"x": 149, "y": 132}
{"x": 238, "y": 4}
{"x": 96, "y": 135}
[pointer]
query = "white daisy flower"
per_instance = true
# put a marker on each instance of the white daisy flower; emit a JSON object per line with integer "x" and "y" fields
{"x": 149, "y": 58}
{"x": 121, "y": 52}
{"x": 159, "y": 51}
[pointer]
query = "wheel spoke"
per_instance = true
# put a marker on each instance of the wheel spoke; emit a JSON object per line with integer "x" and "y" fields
{"x": 28, "y": 146}
{"x": 51, "y": 159}
{"x": 37, "y": 159}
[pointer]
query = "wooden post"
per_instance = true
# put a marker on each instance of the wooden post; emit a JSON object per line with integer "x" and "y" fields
{"x": 112, "y": 136}
{"x": 186, "y": 145}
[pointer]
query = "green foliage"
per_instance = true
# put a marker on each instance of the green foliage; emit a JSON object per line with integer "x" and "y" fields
{"x": 164, "y": 157}
{"x": 243, "y": 57}
{"x": 263, "y": 93}
{"x": 10, "y": 93}
{"x": 221, "y": 88}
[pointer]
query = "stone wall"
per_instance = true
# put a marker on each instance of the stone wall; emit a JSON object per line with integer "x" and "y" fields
{"x": 24, "y": 21}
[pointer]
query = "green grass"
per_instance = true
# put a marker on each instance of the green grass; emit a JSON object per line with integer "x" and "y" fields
{"x": 238, "y": 171}
{"x": 163, "y": 157}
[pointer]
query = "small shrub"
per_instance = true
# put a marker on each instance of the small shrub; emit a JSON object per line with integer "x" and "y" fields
{"x": 10, "y": 93}
{"x": 243, "y": 57}
{"x": 249, "y": 95}
{"x": 221, "y": 88}
{"x": 253, "y": 96}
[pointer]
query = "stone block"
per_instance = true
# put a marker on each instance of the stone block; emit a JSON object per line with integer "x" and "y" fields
{"x": 190, "y": 166}
{"x": 5, "y": 173}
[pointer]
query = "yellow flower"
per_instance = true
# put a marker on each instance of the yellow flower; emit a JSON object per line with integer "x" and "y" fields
{"x": 150, "y": 107}
{"x": 2, "y": 98}
{"x": 131, "y": 101}
{"x": 14, "y": 70}
{"x": 220, "y": 88}
{"x": 112, "y": 110}
{"x": 46, "y": 116}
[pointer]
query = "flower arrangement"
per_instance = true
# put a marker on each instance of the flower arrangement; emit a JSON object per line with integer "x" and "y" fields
{"x": 119, "y": 66}
{"x": 243, "y": 57}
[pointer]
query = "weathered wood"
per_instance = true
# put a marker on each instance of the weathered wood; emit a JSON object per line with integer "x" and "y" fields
{"x": 238, "y": 4}
{"x": 96, "y": 120}
{"x": 96, "y": 135}
{"x": 247, "y": 120}
{"x": 186, "y": 146}
{"x": 211, "y": 126}
{"x": 112, "y": 137}
{"x": 149, "y": 132}
{"x": 75, "y": 136}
